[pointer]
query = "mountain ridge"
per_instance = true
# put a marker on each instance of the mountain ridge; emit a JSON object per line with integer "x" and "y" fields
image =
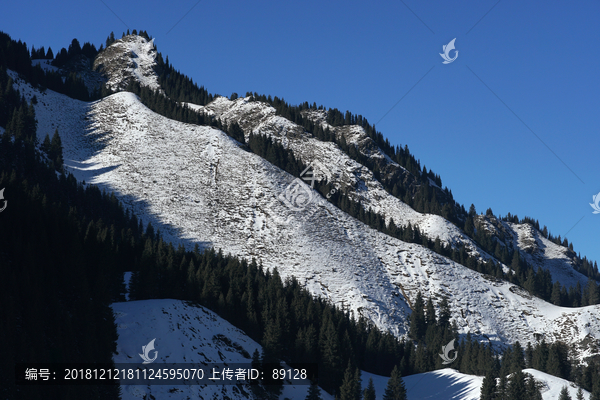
{"x": 119, "y": 153}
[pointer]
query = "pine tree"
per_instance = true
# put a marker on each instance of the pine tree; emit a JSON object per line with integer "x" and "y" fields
{"x": 593, "y": 292}
{"x": 56, "y": 151}
{"x": 445, "y": 313}
{"x": 430, "y": 319}
{"x": 395, "y": 389}
{"x": 314, "y": 392}
{"x": 357, "y": 384}
{"x": 540, "y": 356}
{"x": 564, "y": 394}
{"x": 417, "y": 318}
{"x": 350, "y": 388}
{"x": 555, "y": 296}
{"x": 502, "y": 392}
{"x": 529, "y": 356}
{"x": 579, "y": 394}
{"x": 488, "y": 387}
{"x": 533, "y": 388}
{"x": 369, "y": 392}
{"x": 557, "y": 363}
{"x": 45, "y": 146}
{"x": 516, "y": 389}
{"x": 595, "y": 390}
{"x": 517, "y": 359}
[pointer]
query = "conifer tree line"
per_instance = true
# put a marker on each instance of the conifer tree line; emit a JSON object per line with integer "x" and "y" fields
{"x": 61, "y": 264}
{"x": 537, "y": 282}
{"x": 75, "y": 49}
{"x": 53, "y": 150}
{"x": 15, "y": 56}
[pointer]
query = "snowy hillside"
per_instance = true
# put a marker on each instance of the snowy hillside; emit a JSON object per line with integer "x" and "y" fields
{"x": 446, "y": 384}
{"x": 534, "y": 248}
{"x": 184, "y": 334}
{"x": 543, "y": 253}
{"x": 198, "y": 185}
{"x": 333, "y": 164}
{"x": 191, "y": 334}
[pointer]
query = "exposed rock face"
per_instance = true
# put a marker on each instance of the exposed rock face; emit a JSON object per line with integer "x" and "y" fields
{"x": 130, "y": 58}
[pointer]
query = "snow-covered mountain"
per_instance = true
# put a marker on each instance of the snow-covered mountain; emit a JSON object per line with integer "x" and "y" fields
{"x": 360, "y": 185}
{"x": 197, "y": 185}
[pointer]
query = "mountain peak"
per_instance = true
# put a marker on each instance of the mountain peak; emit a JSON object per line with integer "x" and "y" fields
{"x": 132, "y": 57}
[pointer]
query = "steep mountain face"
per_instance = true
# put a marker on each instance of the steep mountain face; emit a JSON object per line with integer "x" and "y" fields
{"x": 130, "y": 58}
{"x": 197, "y": 184}
{"x": 357, "y": 181}
{"x": 390, "y": 171}
{"x": 332, "y": 164}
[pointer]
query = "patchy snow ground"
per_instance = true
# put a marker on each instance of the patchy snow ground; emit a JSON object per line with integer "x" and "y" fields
{"x": 184, "y": 333}
{"x": 44, "y": 64}
{"x": 553, "y": 385}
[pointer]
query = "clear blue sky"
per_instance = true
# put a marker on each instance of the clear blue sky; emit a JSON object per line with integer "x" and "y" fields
{"x": 540, "y": 63}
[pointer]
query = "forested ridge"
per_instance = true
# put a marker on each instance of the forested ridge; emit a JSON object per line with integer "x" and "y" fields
{"x": 427, "y": 198}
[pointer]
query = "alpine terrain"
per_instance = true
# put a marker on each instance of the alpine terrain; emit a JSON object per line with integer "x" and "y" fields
{"x": 247, "y": 225}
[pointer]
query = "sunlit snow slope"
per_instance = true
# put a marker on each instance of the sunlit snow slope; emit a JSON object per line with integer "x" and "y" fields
{"x": 198, "y": 185}
{"x": 134, "y": 58}
{"x": 359, "y": 183}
